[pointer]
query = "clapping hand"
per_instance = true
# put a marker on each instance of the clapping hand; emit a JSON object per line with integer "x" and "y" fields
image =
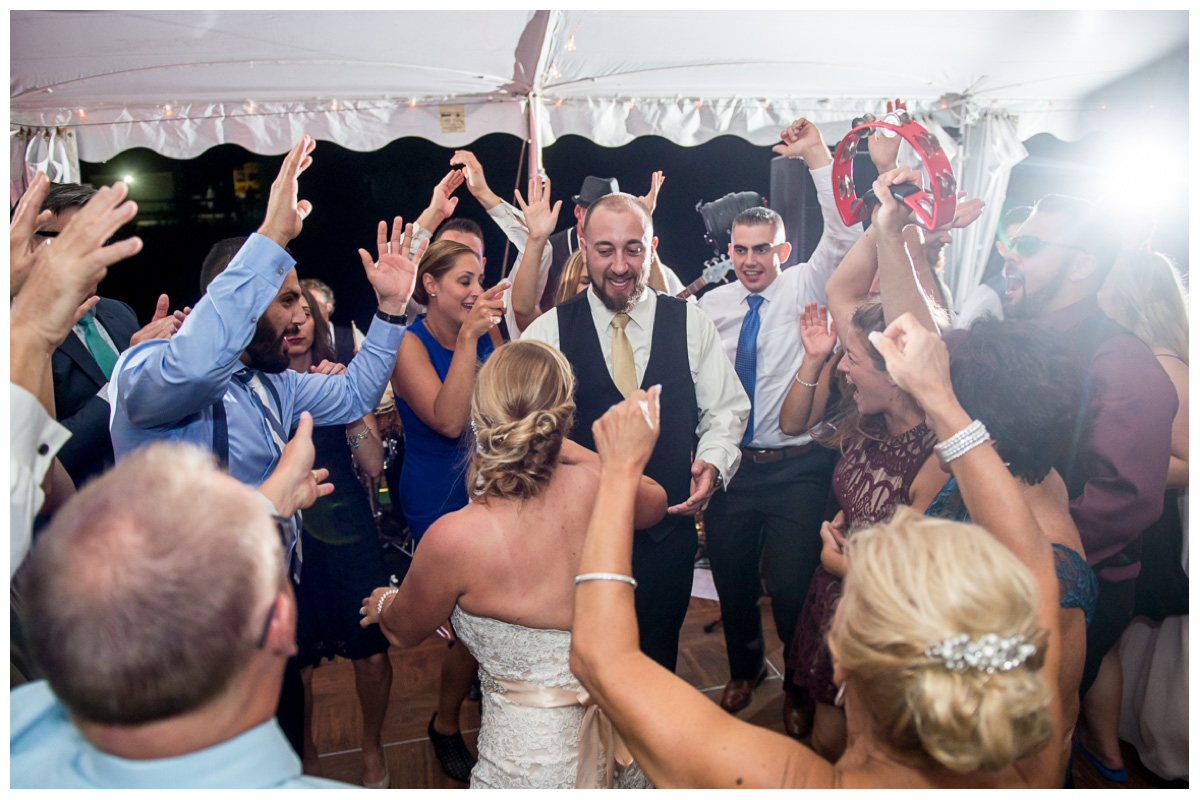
{"x": 540, "y": 218}
{"x": 394, "y": 275}
{"x": 817, "y": 332}
{"x": 286, "y": 212}
{"x": 650, "y": 198}
{"x": 162, "y": 325}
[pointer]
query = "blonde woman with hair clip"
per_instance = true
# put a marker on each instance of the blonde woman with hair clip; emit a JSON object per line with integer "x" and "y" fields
{"x": 502, "y": 570}
{"x": 1149, "y": 670}
{"x": 946, "y": 641}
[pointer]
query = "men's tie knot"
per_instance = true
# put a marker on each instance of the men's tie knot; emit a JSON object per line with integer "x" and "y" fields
{"x": 754, "y": 301}
{"x": 87, "y": 320}
{"x": 620, "y": 321}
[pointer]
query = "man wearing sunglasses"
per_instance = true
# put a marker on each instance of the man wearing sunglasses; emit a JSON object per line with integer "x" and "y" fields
{"x": 160, "y": 611}
{"x": 1116, "y": 475}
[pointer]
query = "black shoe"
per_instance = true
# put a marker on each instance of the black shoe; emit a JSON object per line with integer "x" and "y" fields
{"x": 452, "y": 752}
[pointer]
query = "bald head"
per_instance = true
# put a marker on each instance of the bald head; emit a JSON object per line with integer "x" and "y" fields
{"x": 620, "y": 202}
{"x": 146, "y": 594}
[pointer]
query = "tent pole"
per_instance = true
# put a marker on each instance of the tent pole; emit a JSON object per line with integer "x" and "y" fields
{"x": 535, "y": 141}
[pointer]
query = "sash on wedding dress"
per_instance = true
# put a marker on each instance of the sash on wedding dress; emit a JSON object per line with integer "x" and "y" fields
{"x": 594, "y": 729}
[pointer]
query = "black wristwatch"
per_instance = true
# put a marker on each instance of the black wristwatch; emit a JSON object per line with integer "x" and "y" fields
{"x": 395, "y": 319}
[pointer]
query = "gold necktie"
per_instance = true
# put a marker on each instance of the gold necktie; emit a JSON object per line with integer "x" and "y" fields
{"x": 624, "y": 373}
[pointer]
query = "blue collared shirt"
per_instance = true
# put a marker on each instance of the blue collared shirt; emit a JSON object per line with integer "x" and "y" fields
{"x": 165, "y": 388}
{"x": 47, "y": 752}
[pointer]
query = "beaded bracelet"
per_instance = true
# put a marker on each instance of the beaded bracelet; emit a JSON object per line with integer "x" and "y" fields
{"x": 968, "y": 438}
{"x": 382, "y": 597}
{"x": 605, "y": 576}
{"x": 805, "y": 383}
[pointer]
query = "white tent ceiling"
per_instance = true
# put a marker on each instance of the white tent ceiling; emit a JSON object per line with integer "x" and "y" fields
{"x": 181, "y": 82}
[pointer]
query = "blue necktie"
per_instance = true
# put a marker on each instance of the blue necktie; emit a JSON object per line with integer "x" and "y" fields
{"x": 746, "y": 363}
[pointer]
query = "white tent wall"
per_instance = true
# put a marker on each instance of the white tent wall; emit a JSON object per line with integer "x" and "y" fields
{"x": 182, "y": 82}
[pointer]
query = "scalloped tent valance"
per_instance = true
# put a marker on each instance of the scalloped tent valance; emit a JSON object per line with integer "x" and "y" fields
{"x": 181, "y": 82}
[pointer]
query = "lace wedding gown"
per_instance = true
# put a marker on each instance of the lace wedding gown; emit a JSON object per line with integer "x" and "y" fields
{"x": 532, "y": 742}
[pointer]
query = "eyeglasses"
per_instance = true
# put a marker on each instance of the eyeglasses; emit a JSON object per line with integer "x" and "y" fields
{"x": 1030, "y": 246}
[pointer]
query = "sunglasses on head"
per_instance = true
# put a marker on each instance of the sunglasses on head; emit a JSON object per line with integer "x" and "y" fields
{"x": 1029, "y": 246}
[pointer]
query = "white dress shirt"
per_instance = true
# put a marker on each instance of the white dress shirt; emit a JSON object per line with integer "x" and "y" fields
{"x": 720, "y": 398}
{"x": 780, "y": 350}
{"x": 34, "y": 438}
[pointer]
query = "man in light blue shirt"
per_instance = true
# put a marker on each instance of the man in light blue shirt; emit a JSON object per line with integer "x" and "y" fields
{"x": 222, "y": 381}
{"x": 159, "y": 609}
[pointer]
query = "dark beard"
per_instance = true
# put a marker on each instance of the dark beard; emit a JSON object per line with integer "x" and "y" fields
{"x": 1030, "y": 306}
{"x": 621, "y": 306}
{"x": 266, "y": 350}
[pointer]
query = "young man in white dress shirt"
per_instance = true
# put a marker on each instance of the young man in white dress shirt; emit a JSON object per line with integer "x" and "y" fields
{"x": 777, "y": 501}
{"x": 620, "y": 335}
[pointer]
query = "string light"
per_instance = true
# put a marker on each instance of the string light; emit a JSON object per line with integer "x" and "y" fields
{"x": 557, "y": 103}
{"x": 412, "y": 103}
{"x": 83, "y": 114}
{"x": 1102, "y": 106}
{"x": 554, "y": 73}
{"x": 250, "y": 107}
{"x": 699, "y": 104}
{"x": 334, "y": 106}
{"x": 167, "y": 111}
{"x": 570, "y": 47}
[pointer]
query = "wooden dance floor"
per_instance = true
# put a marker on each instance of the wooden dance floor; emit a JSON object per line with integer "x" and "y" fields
{"x": 337, "y": 721}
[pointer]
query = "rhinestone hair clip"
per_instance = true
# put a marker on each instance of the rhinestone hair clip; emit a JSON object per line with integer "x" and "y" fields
{"x": 989, "y": 653}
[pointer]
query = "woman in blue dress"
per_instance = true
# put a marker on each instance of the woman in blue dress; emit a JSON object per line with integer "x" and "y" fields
{"x": 433, "y": 381}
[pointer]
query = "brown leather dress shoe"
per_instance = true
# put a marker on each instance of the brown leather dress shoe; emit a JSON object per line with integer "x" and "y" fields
{"x": 798, "y": 710}
{"x": 738, "y": 694}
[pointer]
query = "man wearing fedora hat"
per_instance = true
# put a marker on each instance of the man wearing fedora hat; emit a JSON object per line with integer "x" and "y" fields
{"x": 559, "y": 247}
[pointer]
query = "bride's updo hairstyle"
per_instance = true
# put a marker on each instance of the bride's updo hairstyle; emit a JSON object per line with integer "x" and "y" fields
{"x": 522, "y": 408}
{"x": 917, "y": 581}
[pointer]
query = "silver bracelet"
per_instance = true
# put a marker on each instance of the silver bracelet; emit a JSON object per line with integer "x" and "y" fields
{"x": 382, "y": 597}
{"x": 805, "y": 383}
{"x": 968, "y": 438}
{"x": 605, "y": 576}
{"x": 353, "y": 439}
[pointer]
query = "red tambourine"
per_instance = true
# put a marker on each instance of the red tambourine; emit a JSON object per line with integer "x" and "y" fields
{"x": 933, "y": 206}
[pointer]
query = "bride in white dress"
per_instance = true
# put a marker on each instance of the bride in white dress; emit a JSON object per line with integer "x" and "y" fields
{"x": 503, "y": 568}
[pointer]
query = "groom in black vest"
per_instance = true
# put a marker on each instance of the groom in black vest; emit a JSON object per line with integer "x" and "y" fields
{"x": 620, "y": 336}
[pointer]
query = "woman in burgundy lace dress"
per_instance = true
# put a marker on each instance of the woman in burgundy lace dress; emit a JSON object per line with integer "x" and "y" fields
{"x": 886, "y": 461}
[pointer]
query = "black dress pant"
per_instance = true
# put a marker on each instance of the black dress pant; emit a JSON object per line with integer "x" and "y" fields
{"x": 664, "y": 571}
{"x": 772, "y": 509}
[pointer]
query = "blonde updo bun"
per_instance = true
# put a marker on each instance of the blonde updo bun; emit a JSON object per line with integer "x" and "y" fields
{"x": 522, "y": 409}
{"x": 917, "y": 580}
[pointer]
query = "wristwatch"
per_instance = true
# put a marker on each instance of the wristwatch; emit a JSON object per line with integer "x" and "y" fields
{"x": 719, "y": 482}
{"x": 395, "y": 319}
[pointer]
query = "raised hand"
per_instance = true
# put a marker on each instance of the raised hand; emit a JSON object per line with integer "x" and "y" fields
{"x": 802, "y": 139}
{"x": 966, "y": 211}
{"x": 890, "y": 214}
{"x": 540, "y": 218}
{"x": 473, "y": 173}
{"x": 162, "y": 325}
{"x": 394, "y": 275}
{"x": 286, "y": 212}
{"x": 816, "y": 332}
{"x": 917, "y": 360}
{"x": 883, "y": 149}
{"x": 294, "y": 484}
{"x": 443, "y": 203}
{"x": 485, "y": 314}
{"x": 650, "y": 198}
{"x": 25, "y": 223}
{"x": 626, "y": 434}
{"x": 66, "y": 271}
